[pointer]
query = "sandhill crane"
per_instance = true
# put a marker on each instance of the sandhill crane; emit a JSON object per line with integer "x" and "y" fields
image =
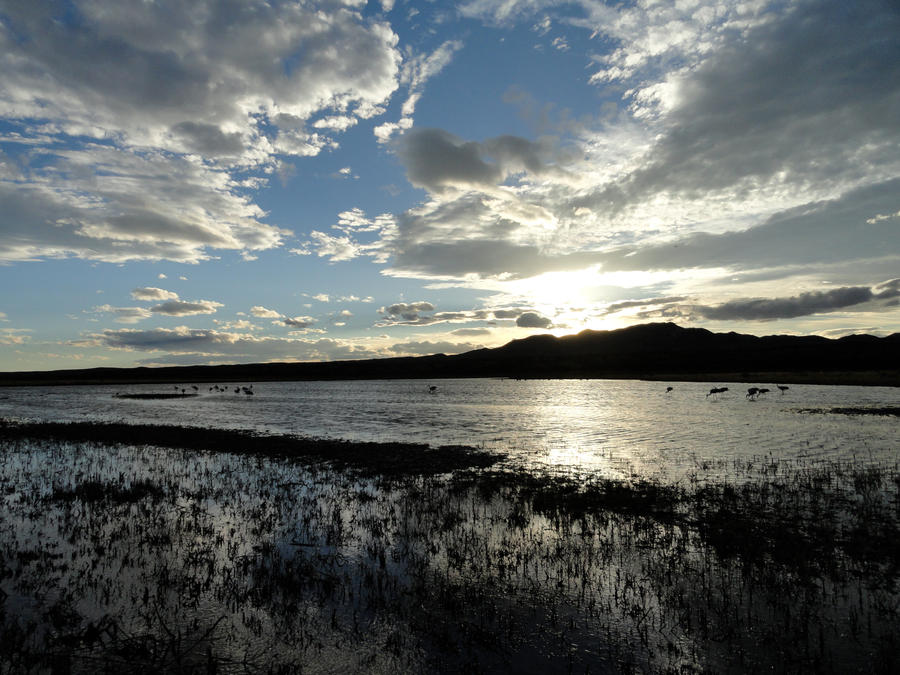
{"x": 716, "y": 390}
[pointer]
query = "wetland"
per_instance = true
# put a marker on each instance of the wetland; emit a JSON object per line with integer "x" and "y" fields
{"x": 156, "y": 548}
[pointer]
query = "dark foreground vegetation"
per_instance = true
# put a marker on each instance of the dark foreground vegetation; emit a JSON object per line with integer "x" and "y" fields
{"x": 656, "y": 351}
{"x": 140, "y": 549}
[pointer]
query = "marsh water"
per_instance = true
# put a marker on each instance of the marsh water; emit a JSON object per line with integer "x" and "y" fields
{"x": 610, "y": 427}
{"x": 164, "y": 560}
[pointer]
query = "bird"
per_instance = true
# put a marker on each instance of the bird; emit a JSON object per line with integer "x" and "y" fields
{"x": 195, "y": 387}
{"x": 432, "y": 388}
{"x": 783, "y": 388}
{"x": 668, "y": 389}
{"x": 763, "y": 391}
{"x": 717, "y": 390}
{"x": 752, "y": 393}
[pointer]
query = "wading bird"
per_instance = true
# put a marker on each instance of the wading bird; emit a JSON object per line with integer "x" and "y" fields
{"x": 752, "y": 393}
{"x": 668, "y": 389}
{"x": 783, "y": 388}
{"x": 716, "y": 390}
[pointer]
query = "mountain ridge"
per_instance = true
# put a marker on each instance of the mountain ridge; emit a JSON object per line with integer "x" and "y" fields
{"x": 644, "y": 351}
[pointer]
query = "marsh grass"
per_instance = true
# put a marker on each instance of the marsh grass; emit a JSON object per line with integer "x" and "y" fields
{"x": 172, "y": 559}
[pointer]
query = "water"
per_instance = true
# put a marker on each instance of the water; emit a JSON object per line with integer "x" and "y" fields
{"x": 614, "y": 427}
{"x": 254, "y": 562}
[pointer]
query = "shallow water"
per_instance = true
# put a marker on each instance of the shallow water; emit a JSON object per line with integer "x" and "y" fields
{"x": 612, "y": 427}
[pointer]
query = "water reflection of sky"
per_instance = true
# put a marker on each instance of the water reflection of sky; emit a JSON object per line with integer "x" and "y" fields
{"x": 618, "y": 427}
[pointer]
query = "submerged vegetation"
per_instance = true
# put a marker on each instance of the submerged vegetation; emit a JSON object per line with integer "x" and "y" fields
{"x": 887, "y": 411}
{"x": 155, "y": 549}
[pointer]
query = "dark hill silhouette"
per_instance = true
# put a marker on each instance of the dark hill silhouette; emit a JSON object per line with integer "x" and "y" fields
{"x": 650, "y": 351}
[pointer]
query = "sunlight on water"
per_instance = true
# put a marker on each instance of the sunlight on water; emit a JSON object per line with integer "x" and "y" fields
{"x": 616, "y": 427}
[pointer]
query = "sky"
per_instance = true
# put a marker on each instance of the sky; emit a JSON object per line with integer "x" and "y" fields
{"x": 248, "y": 180}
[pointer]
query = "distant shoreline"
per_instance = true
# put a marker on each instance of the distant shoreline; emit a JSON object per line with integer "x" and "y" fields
{"x": 52, "y": 379}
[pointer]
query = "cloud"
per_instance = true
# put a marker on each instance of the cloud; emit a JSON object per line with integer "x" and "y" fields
{"x": 299, "y": 321}
{"x": 240, "y": 325}
{"x": 471, "y": 332}
{"x": 191, "y": 345}
{"x": 437, "y": 160}
{"x": 815, "y": 302}
{"x": 753, "y": 133}
{"x": 827, "y": 231}
{"x": 144, "y": 121}
{"x": 413, "y": 348}
{"x": 150, "y": 293}
{"x": 417, "y": 70}
{"x": 817, "y": 81}
{"x": 406, "y": 311}
{"x": 115, "y": 205}
{"x": 264, "y": 313}
{"x": 533, "y": 320}
{"x": 125, "y": 314}
{"x": 647, "y": 302}
{"x": 14, "y": 336}
{"x": 181, "y": 308}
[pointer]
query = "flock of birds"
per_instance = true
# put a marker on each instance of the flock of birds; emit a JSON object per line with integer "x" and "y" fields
{"x": 753, "y": 393}
{"x": 248, "y": 390}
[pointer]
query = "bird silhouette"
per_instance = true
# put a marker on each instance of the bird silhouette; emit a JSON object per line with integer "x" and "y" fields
{"x": 752, "y": 393}
{"x": 668, "y": 389}
{"x": 783, "y": 388}
{"x": 716, "y": 390}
